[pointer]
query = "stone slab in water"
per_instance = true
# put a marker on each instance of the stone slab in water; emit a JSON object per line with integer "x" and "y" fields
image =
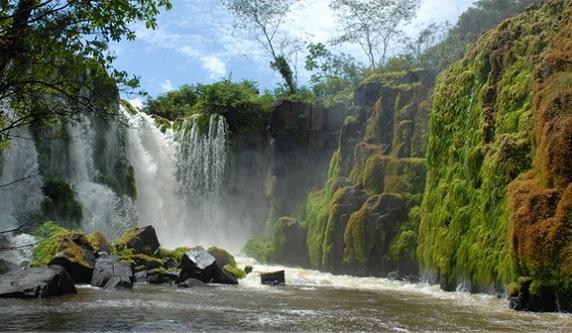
{"x": 110, "y": 273}
{"x": 36, "y": 283}
{"x": 273, "y": 278}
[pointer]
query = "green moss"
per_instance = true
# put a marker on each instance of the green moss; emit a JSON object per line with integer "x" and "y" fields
{"x": 126, "y": 237}
{"x": 48, "y": 245}
{"x": 513, "y": 289}
{"x": 235, "y": 271}
{"x": 480, "y": 139}
{"x": 355, "y": 235}
{"x": 60, "y": 203}
{"x": 56, "y": 239}
{"x": 176, "y": 254}
{"x": 224, "y": 253}
{"x": 259, "y": 249}
{"x": 406, "y": 175}
{"x": 98, "y": 240}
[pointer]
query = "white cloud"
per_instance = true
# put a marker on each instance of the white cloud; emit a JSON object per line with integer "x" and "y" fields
{"x": 166, "y": 85}
{"x": 215, "y": 66}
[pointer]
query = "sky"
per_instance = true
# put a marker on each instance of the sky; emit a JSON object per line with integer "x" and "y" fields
{"x": 196, "y": 42}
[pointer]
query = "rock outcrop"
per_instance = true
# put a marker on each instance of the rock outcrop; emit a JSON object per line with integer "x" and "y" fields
{"x": 142, "y": 240}
{"x": 110, "y": 273}
{"x": 498, "y": 199}
{"x": 36, "y": 283}
{"x": 76, "y": 255}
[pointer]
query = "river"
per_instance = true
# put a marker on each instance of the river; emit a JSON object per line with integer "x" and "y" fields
{"x": 311, "y": 301}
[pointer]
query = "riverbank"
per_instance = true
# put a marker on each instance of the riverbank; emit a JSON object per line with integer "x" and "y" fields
{"x": 310, "y": 301}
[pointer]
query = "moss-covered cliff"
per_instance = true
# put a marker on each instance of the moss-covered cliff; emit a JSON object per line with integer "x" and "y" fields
{"x": 364, "y": 221}
{"x": 497, "y": 200}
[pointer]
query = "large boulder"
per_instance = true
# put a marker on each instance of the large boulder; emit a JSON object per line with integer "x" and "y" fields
{"x": 198, "y": 263}
{"x": 36, "y": 283}
{"x": 141, "y": 239}
{"x": 110, "y": 273}
{"x": 76, "y": 255}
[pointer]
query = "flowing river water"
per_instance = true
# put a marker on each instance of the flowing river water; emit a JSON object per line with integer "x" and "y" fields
{"x": 310, "y": 301}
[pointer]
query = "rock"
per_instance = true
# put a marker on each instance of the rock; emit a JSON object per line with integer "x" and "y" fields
{"x": 221, "y": 257}
{"x": 76, "y": 255}
{"x": 141, "y": 276}
{"x": 199, "y": 264}
{"x": 224, "y": 277}
{"x": 229, "y": 272}
{"x": 141, "y": 239}
{"x": 158, "y": 276}
{"x": 191, "y": 283}
{"x": 273, "y": 278}
{"x": 100, "y": 243}
{"x": 292, "y": 248}
{"x": 36, "y": 283}
{"x": 110, "y": 273}
{"x": 248, "y": 269}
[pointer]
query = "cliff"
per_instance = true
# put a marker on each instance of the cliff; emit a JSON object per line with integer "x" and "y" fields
{"x": 497, "y": 205}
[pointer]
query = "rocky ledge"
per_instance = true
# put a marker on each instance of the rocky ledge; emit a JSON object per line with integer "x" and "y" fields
{"x": 64, "y": 258}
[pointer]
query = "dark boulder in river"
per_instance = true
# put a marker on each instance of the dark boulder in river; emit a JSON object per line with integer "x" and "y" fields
{"x": 140, "y": 239}
{"x": 36, "y": 283}
{"x": 273, "y": 278}
{"x": 198, "y": 263}
{"x": 110, "y": 273}
{"x": 76, "y": 255}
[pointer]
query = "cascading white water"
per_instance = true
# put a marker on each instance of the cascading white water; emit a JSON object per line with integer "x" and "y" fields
{"x": 103, "y": 209}
{"x": 20, "y": 194}
{"x": 202, "y": 159}
{"x": 180, "y": 179}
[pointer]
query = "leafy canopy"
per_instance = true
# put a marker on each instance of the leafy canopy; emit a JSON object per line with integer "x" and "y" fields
{"x": 54, "y": 58}
{"x": 239, "y": 103}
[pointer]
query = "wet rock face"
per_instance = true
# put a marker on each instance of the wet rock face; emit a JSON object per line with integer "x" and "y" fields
{"x": 36, "y": 283}
{"x": 76, "y": 255}
{"x": 142, "y": 240}
{"x": 294, "y": 250}
{"x": 303, "y": 137}
{"x": 110, "y": 273}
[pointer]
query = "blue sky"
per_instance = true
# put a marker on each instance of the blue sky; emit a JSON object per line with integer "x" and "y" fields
{"x": 196, "y": 42}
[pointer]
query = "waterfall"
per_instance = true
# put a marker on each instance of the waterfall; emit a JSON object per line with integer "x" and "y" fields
{"x": 202, "y": 159}
{"x": 103, "y": 209}
{"x": 84, "y": 155}
{"x": 180, "y": 176}
{"x": 20, "y": 195}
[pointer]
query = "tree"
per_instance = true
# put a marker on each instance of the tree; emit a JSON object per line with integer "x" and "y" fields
{"x": 426, "y": 37}
{"x": 263, "y": 19}
{"x": 332, "y": 73}
{"x": 373, "y": 24}
{"x": 54, "y": 58}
